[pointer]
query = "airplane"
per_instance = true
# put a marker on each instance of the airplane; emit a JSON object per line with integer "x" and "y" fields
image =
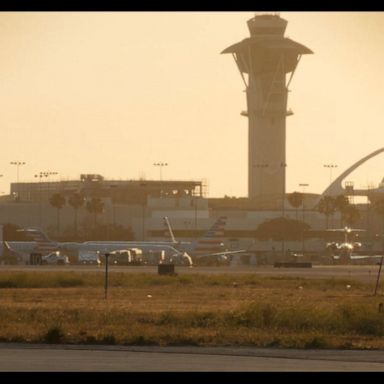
{"x": 346, "y": 250}
{"x": 41, "y": 245}
{"x": 209, "y": 246}
{"x": 180, "y": 252}
{"x": 174, "y": 251}
{"x": 30, "y": 252}
{"x": 10, "y": 255}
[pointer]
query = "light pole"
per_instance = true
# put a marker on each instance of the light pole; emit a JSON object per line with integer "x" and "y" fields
{"x": 106, "y": 276}
{"x": 40, "y": 175}
{"x": 160, "y": 165}
{"x": 195, "y": 206}
{"x": 378, "y": 275}
{"x": 330, "y": 167}
{"x": 143, "y": 222}
{"x": 143, "y": 204}
{"x": 303, "y": 185}
{"x": 18, "y": 164}
{"x": 283, "y": 211}
{"x": 48, "y": 176}
{"x": 51, "y": 174}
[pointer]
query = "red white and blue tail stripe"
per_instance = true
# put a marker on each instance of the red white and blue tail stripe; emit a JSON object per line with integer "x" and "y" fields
{"x": 44, "y": 244}
{"x": 213, "y": 239}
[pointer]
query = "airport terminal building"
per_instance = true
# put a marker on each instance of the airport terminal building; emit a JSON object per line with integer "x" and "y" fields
{"x": 142, "y": 204}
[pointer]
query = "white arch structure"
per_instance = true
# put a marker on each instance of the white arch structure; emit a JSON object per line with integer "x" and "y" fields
{"x": 336, "y": 188}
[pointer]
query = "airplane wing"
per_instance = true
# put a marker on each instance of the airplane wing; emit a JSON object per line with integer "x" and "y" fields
{"x": 346, "y": 229}
{"x": 223, "y": 253}
{"x": 359, "y": 257}
{"x": 297, "y": 255}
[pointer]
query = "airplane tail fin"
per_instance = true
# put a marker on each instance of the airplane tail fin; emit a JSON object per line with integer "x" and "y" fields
{"x": 213, "y": 239}
{"x": 5, "y": 249}
{"x": 169, "y": 228}
{"x": 44, "y": 244}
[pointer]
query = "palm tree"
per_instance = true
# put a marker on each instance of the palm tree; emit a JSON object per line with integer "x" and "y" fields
{"x": 95, "y": 206}
{"x": 76, "y": 200}
{"x": 327, "y": 207}
{"x": 350, "y": 214}
{"x": 58, "y": 201}
{"x": 295, "y": 199}
{"x": 342, "y": 205}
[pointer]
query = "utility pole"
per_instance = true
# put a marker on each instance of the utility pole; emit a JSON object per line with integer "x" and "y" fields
{"x": 18, "y": 164}
{"x": 330, "y": 167}
{"x": 378, "y": 275}
{"x": 106, "y": 276}
{"x": 303, "y": 185}
{"x": 160, "y": 165}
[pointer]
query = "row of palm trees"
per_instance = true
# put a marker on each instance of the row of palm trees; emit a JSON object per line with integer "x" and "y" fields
{"x": 329, "y": 205}
{"x": 94, "y": 206}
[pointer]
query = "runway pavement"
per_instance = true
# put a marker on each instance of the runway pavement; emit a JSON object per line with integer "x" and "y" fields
{"x": 70, "y": 358}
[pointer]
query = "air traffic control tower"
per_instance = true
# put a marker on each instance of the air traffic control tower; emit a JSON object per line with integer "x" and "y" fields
{"x": 266, "y": 57}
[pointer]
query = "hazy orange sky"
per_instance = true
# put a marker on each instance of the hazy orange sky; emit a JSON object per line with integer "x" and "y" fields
{"x": 114, "y": 92}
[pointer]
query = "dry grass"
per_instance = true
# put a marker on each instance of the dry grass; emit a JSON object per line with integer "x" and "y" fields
{"x": 189, "y": 310}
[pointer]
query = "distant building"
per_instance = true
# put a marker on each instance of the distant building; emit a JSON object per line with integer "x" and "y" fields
{"x": 119, "y": 191}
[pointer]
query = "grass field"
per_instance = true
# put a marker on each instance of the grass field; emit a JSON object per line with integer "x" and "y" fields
{"x": 219, "y": 310}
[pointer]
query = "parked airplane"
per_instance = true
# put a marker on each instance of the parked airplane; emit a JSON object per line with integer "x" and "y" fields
{"x": 210, "y": 245}
{"x": 41, "y": 245}
{"x": 32, "y": 251}
{"x": 19, "y": 254}
{"x": 346, "y": 250}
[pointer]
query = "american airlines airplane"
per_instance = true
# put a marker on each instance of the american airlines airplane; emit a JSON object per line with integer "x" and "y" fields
{"x": 210, "y": 244}
{"x": 41, "y": 245}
